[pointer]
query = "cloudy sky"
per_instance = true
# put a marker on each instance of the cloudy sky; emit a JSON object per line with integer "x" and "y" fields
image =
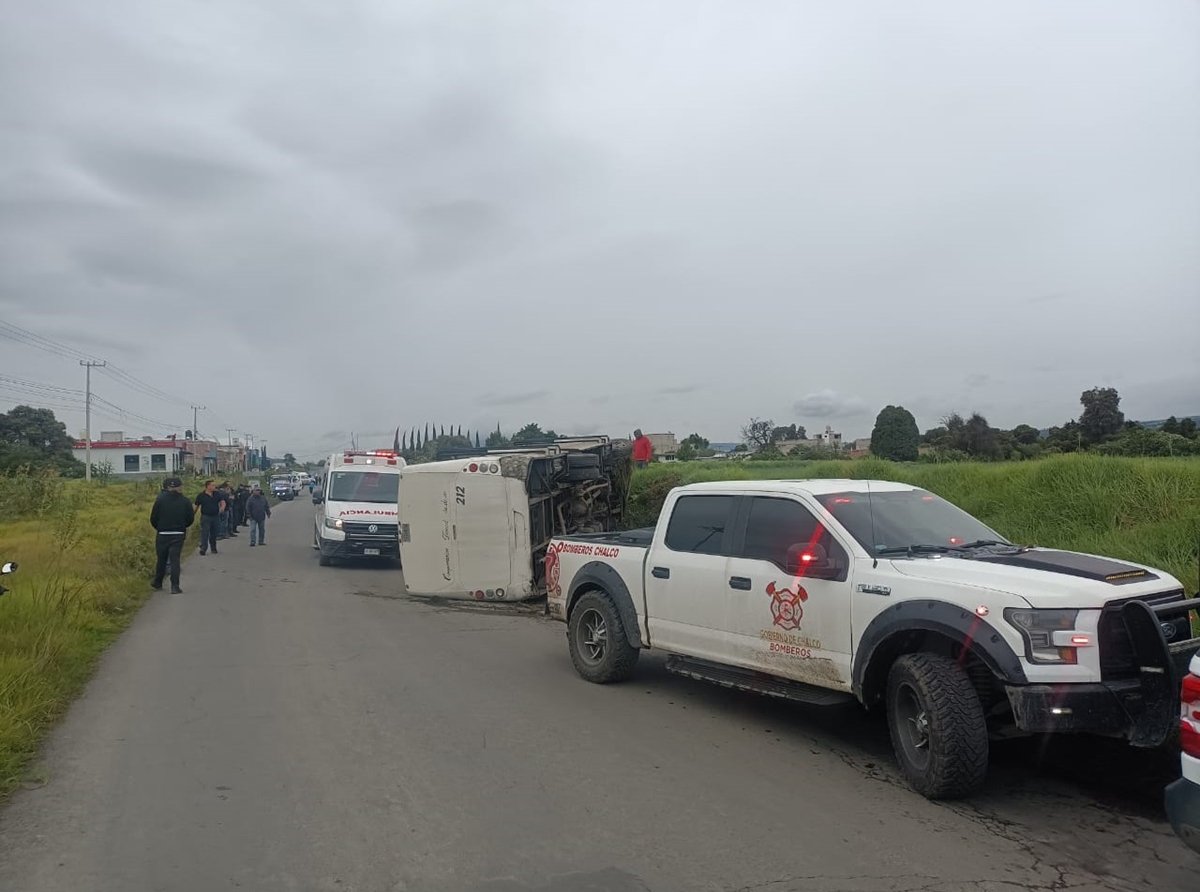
{"x": 323, "y": 217}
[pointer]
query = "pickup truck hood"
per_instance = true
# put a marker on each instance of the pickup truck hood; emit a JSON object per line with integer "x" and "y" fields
{"x": 1044, "y": 577}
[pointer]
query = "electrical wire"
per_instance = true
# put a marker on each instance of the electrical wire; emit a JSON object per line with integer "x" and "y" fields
{"x": 115, "y": 373}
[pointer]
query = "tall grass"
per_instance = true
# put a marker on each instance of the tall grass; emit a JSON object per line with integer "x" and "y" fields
{"x": 1140, "y": 509}
{"x": 85, "y": 553}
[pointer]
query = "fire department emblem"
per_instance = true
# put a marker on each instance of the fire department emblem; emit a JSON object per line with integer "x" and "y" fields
{"x": 552, "y": 573}
{"x": 785, "y": 605}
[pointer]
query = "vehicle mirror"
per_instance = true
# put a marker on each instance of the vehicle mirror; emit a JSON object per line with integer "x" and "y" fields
{"x": 812, "y": 560}
{"x": 318, "y": 498}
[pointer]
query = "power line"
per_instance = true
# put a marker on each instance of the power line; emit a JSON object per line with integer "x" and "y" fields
{"x": 40, "y": 387}
{"x": 25, "y": 336}
{"x": 48, "y": 345}
{"x": 135, "y": 416}
{"x": 123, "y": 377}
{"x": 116, "y": 373}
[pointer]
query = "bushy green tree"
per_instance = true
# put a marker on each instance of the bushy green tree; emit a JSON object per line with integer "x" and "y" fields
{"x": 1025, "y": 434}
{"x": 33, "y": 438}
{"x": 895, "y": 436}
{"x": 1142, "y": 441}
{"x": 757, "y": 434}
{"x": 530, "y": 434}
{"x": 1102, "y": 417}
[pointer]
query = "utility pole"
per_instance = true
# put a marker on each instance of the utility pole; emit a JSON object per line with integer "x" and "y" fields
{"x": 195, "y": 437}
{"x": 88, "y": 364}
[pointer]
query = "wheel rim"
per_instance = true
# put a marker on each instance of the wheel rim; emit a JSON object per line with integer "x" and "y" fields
{"x": 912, "y": 722}
{"x": 591, "y": 636}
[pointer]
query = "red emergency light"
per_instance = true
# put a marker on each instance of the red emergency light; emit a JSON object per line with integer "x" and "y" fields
{"x": 387, "y": 454}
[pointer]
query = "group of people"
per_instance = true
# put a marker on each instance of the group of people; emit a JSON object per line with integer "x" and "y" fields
{"x": 222, "y": 510}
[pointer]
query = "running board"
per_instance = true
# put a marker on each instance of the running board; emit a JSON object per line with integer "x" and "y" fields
{"x": 758, "y": 682}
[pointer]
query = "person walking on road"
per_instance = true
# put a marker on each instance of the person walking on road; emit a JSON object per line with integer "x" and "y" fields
{"x": 170, "y": 517}
{"x": 210, "y": 505}
{"x": 643, "y": 449}
{"x": 258, "y": 509}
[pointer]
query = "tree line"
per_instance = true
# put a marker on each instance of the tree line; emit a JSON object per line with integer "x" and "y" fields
{"x": 1101, "y": 428}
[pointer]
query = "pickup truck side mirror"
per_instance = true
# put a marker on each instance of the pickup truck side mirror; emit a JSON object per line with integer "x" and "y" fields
{"x": 318, "y": 498}
{"x": 811, "y": 560}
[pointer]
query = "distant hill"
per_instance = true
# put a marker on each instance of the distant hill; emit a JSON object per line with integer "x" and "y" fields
{"x": 1156, "y": 424}
{"x": 1150, "y": 425}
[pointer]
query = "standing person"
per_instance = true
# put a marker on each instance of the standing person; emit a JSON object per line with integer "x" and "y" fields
{"x": 210, "y": 505}
{"x": 643, "y": 449}
{"x": 226, "y": 513}
{"x": 240, "y": 498}
{"x": 258, "y": 509}
{"x": 170, "y": 517}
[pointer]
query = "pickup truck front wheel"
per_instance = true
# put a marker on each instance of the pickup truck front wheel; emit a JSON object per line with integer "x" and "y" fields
{"x": 599, "y": 649}
{"x": 937, "y": 725}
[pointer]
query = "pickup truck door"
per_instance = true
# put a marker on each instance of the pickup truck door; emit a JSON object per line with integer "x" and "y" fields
{"x": 782, "y": 620}
{"x": 686, "y": 572}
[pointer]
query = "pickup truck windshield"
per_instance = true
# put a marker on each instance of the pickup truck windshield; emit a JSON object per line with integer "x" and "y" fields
{"x": 364, "y": 486}
{"x": 888, "y": 520}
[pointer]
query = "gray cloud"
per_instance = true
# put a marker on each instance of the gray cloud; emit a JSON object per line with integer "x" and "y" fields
{"x": 511, "y": 399}
{"x": 315, "y": 217}
{"x": 829, "y": 405}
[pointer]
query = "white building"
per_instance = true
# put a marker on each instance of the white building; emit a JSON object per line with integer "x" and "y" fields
{"x": 665, "y": 446}
{"x": 134, "y": 458}
{"x": 830, "y": 438}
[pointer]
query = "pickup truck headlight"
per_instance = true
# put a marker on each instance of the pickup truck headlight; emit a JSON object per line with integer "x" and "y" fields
{"x": 333, "y": 523}
{"x": 1037, "y": 627}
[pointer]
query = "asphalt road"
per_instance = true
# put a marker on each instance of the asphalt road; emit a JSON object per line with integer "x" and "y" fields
{"x": 283, "y": 726}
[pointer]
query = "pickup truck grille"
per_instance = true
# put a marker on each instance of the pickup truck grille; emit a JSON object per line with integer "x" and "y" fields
{"x": 363, "y": 532}
{"x": 1116, "y": 650}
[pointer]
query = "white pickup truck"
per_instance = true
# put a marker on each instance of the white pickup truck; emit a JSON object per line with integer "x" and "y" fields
{"x": 825, "y": 591}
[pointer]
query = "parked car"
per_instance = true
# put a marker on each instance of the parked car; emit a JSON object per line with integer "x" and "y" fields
{"x": 282, "y": 488}
{"x": 831, "y": 591}
{"x": 1183, "y": 796}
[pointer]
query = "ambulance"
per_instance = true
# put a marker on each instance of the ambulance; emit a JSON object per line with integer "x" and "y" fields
{"x": 355, "y": 509}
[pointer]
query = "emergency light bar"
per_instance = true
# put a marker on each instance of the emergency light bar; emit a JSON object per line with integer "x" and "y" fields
{"x": 370, "y": 456}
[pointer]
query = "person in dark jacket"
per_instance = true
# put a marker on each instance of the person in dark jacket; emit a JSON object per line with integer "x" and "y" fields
{"x": 225, "y": 528}
{"x": 210, "y": 504}
{"x": 241, "y": 497}
{"x": 171, "y": 516}
{"x": 258, "y": 509}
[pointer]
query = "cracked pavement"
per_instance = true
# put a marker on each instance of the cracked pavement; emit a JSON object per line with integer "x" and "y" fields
{"x": 283, "y": 726}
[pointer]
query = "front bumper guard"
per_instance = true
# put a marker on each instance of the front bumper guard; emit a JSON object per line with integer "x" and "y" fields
{"x": 1143, "y": 709}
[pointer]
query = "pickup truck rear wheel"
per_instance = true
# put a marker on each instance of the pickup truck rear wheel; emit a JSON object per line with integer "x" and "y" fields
{"x": 937, "y": 726}
{"x": 596, "y": 637}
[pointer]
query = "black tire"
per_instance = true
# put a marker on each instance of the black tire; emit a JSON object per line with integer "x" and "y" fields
{"x": 325, "y": 560}
{"x": 596, "y": 637}
{"x": 937, "y": 726}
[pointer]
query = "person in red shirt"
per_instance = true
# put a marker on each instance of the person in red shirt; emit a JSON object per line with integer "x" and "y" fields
{"x": 643, "y": 449}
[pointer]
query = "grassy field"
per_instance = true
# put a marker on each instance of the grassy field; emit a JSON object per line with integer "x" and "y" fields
{"x": 1141, "y": 509}
{"x": 86, "y": 554}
